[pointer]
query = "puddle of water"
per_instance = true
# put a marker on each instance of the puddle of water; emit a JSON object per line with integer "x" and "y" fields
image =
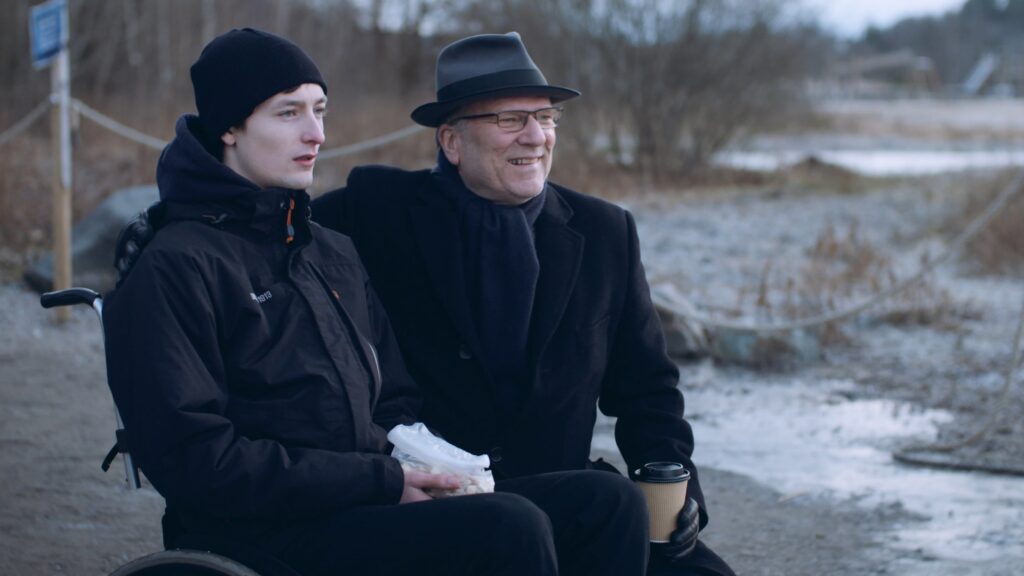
{"x": 803, "y": 438}
{"x": 879, "y": 162}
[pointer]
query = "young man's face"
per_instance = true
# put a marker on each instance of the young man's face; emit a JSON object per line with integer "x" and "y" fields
{"x": 278, "y": 143}
{"x": 505, "y": 167}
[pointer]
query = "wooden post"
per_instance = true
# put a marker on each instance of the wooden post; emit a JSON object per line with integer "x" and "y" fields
{"x": 60, "y": 123}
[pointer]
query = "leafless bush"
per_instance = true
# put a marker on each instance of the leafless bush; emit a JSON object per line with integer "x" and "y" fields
{"x": 666, "y": 84}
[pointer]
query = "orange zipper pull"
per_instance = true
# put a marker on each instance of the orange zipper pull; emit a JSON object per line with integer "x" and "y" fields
{"x": 288, "y": 222}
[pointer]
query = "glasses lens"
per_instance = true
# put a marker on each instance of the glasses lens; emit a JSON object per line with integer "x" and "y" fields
{"x": 512, "y": 120}
{"x": 548, "y": 117}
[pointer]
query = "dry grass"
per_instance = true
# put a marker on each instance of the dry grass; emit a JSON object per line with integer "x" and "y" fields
{"x": 999, "y": 248}
{"x": 843, "y": 268}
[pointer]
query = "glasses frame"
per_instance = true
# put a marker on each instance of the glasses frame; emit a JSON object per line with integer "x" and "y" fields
{"x": 526, "y": 117}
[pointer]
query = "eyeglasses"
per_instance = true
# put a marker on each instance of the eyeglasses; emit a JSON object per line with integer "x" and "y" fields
{"x": 515, "y": 120}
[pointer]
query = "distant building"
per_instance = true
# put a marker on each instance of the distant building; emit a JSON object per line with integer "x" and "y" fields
{"x": 899, "y": 73}
{"x": 997, "y": 73}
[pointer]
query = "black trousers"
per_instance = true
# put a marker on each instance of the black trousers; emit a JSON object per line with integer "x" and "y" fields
{"x": 574, "y": 500}
{"x": 501, "y": 534}
{"x": 598, "y": 520}
{"x": 573, "y": 523}
{"x": 701, "y": 562}
{"x": 569, "y": 523}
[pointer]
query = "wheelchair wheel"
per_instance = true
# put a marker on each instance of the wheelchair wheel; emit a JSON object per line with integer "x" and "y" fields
{"x": 183, "y": 563}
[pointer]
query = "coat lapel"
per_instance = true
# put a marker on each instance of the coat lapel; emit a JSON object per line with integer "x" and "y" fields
{"x": 437, "y": 232}
{"x": 560, "y": 251}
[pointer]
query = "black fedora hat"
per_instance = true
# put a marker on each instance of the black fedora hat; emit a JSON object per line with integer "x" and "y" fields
{"x": 485, "y": 66}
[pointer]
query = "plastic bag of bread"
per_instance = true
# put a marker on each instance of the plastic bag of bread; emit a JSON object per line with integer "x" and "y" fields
{"x": 418, "y": 448}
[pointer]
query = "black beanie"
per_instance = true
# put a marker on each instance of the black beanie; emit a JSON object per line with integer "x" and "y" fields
{"x": 240, "y": 69}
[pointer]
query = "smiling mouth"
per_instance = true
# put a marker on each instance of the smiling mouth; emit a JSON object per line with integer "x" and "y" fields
{"x": 523, "y": 161}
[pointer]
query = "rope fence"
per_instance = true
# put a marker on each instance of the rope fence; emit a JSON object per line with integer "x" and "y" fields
{"x": 913, "y": 454}
{"x": 675, "y": 304}
{"x": 118, "y": 128}
{"x": 26, "y": 121}
{"x": 369, "y": 144}
{"x": 158, "y": 144}
{"x": 665, "y": 298}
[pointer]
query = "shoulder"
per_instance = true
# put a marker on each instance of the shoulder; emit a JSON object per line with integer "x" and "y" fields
{"x": 184, "y": 239}
{"x": 386, "y": 179}
{"x": 332, "y": 246}
{"x": 182, "y": 250}
{"x": 368, "y": 188}
{"x": 587, "y": 209}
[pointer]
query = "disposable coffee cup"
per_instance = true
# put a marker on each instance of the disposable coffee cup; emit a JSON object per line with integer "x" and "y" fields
{"x": 664, "y": 487}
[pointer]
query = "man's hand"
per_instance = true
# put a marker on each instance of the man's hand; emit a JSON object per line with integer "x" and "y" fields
{"x": 683, "y": 539}
{"x": 416, "y": 482}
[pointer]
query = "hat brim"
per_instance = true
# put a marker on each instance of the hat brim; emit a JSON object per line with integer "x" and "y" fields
{"x": 434, "y": 114}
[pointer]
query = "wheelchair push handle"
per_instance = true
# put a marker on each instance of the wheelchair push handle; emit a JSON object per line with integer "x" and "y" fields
{"x": 68, "y": 297}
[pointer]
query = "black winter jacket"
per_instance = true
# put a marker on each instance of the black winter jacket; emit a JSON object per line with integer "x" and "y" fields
{"x": 256, "y": 375}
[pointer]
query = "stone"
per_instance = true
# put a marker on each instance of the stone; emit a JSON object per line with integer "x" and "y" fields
{"x": 766, "y": 350}
{"x": 689, "y": 335}
{"x": 93, "y": 240}
{"x": 684, "y": 338}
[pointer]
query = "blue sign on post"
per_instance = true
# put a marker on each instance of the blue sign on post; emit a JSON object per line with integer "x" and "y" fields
{"x": 48, "y": 30}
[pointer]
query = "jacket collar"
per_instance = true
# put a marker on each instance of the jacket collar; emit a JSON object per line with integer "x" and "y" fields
{"x": 559, "y": 249}
{"x": 196, "y": 185}
{"x": 560, "y": 252}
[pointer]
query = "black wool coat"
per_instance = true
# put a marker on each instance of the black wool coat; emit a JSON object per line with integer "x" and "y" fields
{"x": 595, "y": 339}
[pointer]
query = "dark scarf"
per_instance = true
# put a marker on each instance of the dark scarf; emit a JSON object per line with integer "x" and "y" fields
{"x": 501, "y": 270}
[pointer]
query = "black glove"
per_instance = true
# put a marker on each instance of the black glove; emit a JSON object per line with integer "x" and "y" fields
{"x": 134, "y": 237}
{"x": 683, "y": 539}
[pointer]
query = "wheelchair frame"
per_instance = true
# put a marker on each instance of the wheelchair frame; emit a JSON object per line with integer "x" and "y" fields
{"x": 180, "y": 562}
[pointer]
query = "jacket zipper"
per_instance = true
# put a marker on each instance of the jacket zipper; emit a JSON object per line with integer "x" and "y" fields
{"x": 369, "y": 358}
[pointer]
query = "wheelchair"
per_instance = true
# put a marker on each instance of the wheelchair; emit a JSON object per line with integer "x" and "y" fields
{"x": 199, "y": 560}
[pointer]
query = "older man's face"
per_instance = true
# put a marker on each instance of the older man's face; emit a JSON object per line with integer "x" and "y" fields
{"x": 505, "y": 167}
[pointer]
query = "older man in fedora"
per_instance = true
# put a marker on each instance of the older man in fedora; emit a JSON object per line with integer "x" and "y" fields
{"x": 521, "y": 306}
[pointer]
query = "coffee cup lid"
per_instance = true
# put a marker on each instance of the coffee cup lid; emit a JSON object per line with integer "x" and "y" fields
{"x": 662, "y": 472}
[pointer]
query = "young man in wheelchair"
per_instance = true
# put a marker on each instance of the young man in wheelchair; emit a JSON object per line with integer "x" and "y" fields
{"x": 256, "y": 371}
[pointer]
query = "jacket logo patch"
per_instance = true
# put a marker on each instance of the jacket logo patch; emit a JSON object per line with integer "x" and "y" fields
{"x": 261, "y": 298}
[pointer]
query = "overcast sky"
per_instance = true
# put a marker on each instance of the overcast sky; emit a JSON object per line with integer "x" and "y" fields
{"x": 851, "y": 17}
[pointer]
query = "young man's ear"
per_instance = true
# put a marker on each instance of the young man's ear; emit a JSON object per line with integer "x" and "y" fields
{"x": 228, "y": 138}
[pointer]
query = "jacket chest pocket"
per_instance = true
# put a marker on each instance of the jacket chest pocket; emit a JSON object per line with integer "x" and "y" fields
{"x": 271, "y": 343}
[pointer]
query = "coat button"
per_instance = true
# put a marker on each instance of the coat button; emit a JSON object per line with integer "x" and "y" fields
{"x": 464, "y": 352}
{"x": 495, "y": 454}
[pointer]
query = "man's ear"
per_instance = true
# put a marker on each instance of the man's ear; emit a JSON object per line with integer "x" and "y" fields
{"x": 228, "y": 138}
{"x": 447, "y": 139}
